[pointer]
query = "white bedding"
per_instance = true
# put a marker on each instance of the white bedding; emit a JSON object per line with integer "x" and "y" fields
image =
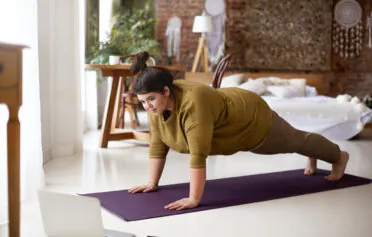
{"x": 321, "y": 114}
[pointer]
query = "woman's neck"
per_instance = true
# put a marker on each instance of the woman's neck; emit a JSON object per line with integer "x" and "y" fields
{"x": 171, "y": 104}
{"x": 169, "y": 108}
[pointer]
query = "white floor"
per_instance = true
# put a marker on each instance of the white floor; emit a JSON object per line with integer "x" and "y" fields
{"x": 345, "y": 212}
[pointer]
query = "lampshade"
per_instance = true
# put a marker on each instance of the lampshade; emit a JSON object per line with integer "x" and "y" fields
{"x": 202, "y": 24}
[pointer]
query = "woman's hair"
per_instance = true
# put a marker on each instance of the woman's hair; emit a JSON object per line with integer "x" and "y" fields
{"x": 150, "y": 79}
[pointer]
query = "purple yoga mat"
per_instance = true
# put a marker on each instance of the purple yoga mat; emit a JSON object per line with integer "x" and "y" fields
{"x": 221, "y": 193}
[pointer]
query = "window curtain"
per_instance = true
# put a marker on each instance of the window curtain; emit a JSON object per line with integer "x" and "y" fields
{"x": 18, "y": 25}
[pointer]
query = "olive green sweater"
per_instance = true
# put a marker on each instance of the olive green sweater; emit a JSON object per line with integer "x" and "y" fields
{"x": 208, "y": 121}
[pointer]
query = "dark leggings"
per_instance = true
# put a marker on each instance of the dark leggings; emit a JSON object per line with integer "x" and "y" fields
{"x": 283, "y": 138}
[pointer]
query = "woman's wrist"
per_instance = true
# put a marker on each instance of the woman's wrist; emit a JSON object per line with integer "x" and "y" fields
{"x": 153, "y": 184}
{"x": 194, "y": 200}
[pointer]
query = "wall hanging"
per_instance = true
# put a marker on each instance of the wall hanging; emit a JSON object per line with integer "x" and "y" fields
{"x": 347, "y": 29}
{"x": 369, "y": 28}
{"x": 216, "y": 39}
{"x": 173, "y": 34}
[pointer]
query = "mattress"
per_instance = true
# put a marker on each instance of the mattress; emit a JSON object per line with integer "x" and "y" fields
{"x": 323, "y": 115}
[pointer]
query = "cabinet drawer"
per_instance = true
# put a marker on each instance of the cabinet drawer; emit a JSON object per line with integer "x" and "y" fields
{"x": 9, "y": 61}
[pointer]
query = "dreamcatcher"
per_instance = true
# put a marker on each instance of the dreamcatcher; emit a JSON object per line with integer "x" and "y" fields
{"x": 216, "y": 39}
{"x": 347, "y": 29}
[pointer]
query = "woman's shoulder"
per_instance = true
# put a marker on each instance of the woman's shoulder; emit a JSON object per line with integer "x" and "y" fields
{"x": 190, "y": 84}
{"x": 192, "y": 95}
{"x": 193, "y": 89}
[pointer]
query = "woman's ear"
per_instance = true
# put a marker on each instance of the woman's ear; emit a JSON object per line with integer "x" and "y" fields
{"x": 166, "y": 91}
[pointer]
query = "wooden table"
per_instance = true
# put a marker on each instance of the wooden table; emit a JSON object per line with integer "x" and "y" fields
{"x": 109, "y": 130}
{"x": 11, "y": 95}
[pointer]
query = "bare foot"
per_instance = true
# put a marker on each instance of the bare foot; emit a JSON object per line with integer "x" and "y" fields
{"x": 310, "y": 167}
{"x": 338, "y": 168}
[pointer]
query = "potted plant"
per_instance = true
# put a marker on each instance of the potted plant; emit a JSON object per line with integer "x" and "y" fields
{"x": 133, "y": 31}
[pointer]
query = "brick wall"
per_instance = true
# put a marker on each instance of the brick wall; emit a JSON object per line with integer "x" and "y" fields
{"x": 186, "y": 10}
{"x": 235, "y": 33}
{"x": 353, "y": 75}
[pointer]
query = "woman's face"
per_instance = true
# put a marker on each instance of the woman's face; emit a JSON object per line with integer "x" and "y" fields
{"x": 155, "y": 102}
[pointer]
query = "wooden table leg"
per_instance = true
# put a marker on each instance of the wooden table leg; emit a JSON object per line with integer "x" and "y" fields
{"x": 118, "y": 104}
{"x": 109, "y": 112}
{"x": 13, "y": 138}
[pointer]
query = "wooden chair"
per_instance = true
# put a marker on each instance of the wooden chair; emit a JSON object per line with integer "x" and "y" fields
{"x": 128, "y": 100}
{"x": 220, "y": 71}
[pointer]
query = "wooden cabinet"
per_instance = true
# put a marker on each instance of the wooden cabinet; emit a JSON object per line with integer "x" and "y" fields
{"x": 11, "y": 95}
{"x": 9, "y": 75}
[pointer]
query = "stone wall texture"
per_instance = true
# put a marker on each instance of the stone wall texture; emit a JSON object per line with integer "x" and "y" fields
{"x": 290, "y": 35}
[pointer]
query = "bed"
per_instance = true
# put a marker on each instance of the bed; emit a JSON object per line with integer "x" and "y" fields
{"x": 340, "y": 118}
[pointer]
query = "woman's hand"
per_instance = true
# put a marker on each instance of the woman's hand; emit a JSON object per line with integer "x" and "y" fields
{"x": 144, "y": 188}
{"x": 184, "y": 203}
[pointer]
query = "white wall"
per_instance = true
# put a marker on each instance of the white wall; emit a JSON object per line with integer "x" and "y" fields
{"x": 61, "y": 34}
{"x": 44, "y": 72}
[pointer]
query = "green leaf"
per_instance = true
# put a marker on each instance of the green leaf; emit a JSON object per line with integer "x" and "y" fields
{"x": 133, "y": 31}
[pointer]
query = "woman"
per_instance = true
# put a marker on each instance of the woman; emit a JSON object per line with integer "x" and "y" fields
{"x": 196, "y": 119}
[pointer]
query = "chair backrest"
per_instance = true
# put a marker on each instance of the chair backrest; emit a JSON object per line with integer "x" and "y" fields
{"x": 220, "y": 70}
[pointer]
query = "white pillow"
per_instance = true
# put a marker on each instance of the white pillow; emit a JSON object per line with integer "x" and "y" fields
{"x": 273, "y": 81}
{"x": 300, "y": 83}
{"x": 311, "y": 91}
{"x": 343, "y": 98}
{"x": 255, "y": 86}
{"x": 285, "y": 91}
{"x": 355, "y": 100}
{"x": 232, "y": 81}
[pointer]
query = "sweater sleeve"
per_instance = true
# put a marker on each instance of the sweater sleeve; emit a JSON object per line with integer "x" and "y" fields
{"x": 158, "y": 149}
{"x": 199, "y": 128}
{"x": 199, "y": 138}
